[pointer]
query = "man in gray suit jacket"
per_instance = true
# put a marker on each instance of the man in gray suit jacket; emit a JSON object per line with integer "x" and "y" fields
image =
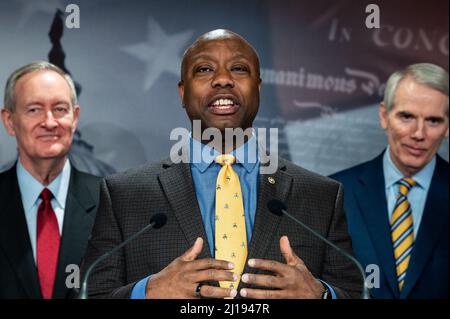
{"x": 220, "y": 84}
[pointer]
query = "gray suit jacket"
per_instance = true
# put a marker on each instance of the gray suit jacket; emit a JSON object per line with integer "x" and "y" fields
{"x": 128, "y": 200}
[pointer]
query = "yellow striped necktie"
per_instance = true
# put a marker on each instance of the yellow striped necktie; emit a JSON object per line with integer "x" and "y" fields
{"x": 402, "y": 230}
{"x": 230, "y": 234}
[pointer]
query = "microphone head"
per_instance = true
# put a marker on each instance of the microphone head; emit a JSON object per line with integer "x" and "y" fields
{"x": 276, "y": 206}
{"x": 158, "y": 220}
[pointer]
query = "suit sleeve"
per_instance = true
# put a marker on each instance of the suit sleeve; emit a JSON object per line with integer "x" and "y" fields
{"x": 338, "y": 271}
{"x": 106, "y": 234}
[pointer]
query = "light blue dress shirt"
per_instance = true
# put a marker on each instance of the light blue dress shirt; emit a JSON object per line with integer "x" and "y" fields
{"x": 30, "y": 189}
{"x": 204, "y": 173}
{"x": 417, "y": 195}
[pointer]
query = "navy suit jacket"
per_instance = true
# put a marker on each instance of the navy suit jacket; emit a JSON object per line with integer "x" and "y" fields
{"x": 366, "y": 209}
{"x": 18, "y": 272}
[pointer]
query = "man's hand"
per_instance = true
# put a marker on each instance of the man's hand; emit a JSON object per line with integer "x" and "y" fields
{"x": 182, "y": 276}
{"x": 292, "y": 280}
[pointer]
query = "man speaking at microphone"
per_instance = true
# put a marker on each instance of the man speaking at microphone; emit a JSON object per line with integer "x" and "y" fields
{"x": 220, "y": 240}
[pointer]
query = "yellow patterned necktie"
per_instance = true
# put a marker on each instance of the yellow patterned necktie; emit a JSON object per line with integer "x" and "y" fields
{"x": 230, "y": 234}
{"x": 402, "y": 230}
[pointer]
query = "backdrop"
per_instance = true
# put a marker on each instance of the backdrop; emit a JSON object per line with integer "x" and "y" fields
{"x": 323, "y": 70}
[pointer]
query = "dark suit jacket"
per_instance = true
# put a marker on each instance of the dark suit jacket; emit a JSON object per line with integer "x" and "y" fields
{"x": 18, "y": 273}
{"x": 128, "y": 200}
{"x": 366, "y": 208}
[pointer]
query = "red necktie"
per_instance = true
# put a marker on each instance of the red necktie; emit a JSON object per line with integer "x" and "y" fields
{"x": 47, "y": 244}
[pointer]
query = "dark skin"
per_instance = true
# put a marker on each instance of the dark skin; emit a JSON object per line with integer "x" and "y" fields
{"x": 222, "y": 66}
{"x": 181, "y": 277}
{"x": 291, "y": 280}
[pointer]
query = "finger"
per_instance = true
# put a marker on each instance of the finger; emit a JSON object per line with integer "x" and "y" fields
{"x": 263, "y": 280}
{"x": 213, "y": 275}
{"x": 217, "y": 292}
{"x": 261, "y": 293}
{"x": 288, "y": 253}
{"x": 193, "y": 252}
{"x": 210, "y": 263}
{"x": 269, "y": 265}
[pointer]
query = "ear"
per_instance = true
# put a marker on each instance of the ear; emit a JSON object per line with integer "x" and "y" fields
{"x": 8, "y": 121}
{"x": 259, "y": 85}
{"x": 383, "y": 114}
{"x": 76, "y": 115}
{"x": 181, "y": 92}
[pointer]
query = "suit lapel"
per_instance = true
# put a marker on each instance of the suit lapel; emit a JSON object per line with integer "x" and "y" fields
{"x": 431, "y": 225}
{"x": 271, "y": 186}
{"x": 372, "y": 201}
{"x": 177, "y": 184}
{"x": 76, "y": 229}
{"x": 14, "y": 236}
{"x": 182, "y": 191}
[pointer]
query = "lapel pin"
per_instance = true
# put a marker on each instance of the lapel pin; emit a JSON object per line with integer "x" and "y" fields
{"x": 271, "y": 180}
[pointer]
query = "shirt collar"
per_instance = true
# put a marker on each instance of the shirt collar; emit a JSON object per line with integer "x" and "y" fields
{"x": 30, "y": 188}
{"x": 392, "y": 174}
{"x": 242, "y": 154}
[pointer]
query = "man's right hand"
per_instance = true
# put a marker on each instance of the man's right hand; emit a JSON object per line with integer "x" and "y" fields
{"x": 181, "y": 277}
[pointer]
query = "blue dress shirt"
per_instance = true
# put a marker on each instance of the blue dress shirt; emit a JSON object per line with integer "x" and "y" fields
{"x": 30, "y": 189}
{"x": 417, "y": 195}
{"x": 204, "y": 174}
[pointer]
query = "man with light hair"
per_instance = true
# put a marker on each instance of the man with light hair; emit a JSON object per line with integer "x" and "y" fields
{"x": 397, "y": 203}
{"x": 47, "y": 207}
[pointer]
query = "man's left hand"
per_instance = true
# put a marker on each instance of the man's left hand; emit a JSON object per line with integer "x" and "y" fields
{"x": 291, "y": 280}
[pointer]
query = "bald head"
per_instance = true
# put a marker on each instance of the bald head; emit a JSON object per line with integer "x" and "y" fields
{"x": 220, "y": 67}
{"x": 214, "y": 35}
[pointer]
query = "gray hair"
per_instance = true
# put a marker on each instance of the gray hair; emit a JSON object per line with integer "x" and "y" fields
{"x": 427, "y": 74}
{"x": 9, "y": 99}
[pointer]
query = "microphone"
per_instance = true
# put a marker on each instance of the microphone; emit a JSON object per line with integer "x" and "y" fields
{"x": 157, "y": 221}
{"x": 279, "y": 208}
